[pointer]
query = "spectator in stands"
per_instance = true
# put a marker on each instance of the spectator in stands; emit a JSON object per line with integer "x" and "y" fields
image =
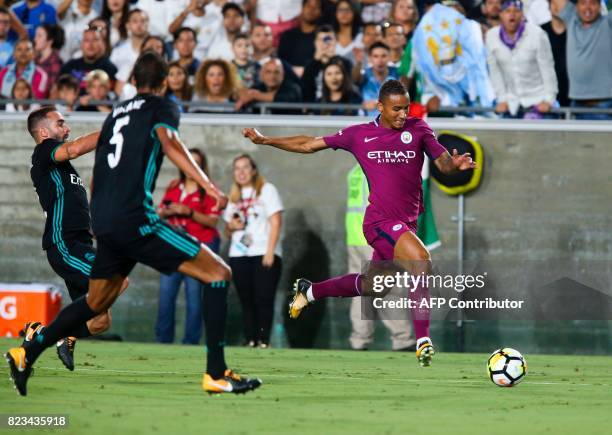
{"x": 253, "y": 218}
{"x": 372, "y": 32}
{"x": 67, "y": 90}
{"x": 100, "y": 25}
{"x": 185, "y": 41}
{"x": 179, "y": 89}
{"x": 48, "y": 41}
{"x": 203, "y": 17}
{"x": 521, "y": 65}
{"x": 373, "y": 76}
{"x": 21, "y": 91}
{"x": 124, "y": 55}
{"x": 6, "y": 46}
{"x": 74, "y": 17}
{"x": 557, "y": 35}
{"x": 346, "y": 25}
{"x": 406, "y": 14}
{"x": 215, "y": 82}
{"x": 115, "y": 12}
{"x": 98, "y": 88}
{"x": 187, "y": 206}
{"x": 278, "y": 16}
{"x": 395, "y": 39}
{"x": 160, "y": 13}
{"x": 325, "y": 50}
{"x": 375, "y": 11}
{"x": 273, "y": 88}
{"x": 155, "y": 43}
{"x": 296, "y": 46}
{"x": 490, "y": 14}
{"x": 247, "y": 68}
{"x": 220, "y": 44}
{"x": 262, "y": 42}
{"x": 589, "y": 63}
{"x": 33, "y": 13}
{"x": 93, "y": 58}
{"x": 450, "y": 56}
{"x": 24, "y": 67}
{"x": 338, "y": 89}
{"x": 11, "y": 29}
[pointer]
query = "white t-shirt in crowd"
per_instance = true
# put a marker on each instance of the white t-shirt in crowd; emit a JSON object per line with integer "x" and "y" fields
{"x": 74, "y": 23}
{"x": 274, "y": 11}
{"x": 124, "y": 57}
{"x": 253, "y": 240}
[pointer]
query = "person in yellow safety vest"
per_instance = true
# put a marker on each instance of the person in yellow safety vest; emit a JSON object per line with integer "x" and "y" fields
{"x": 359, "y": 252}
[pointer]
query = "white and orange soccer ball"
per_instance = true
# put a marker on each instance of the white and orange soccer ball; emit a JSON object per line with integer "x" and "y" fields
{"x": 506, "y": 367}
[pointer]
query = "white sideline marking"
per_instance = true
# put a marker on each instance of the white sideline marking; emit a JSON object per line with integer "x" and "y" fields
{"x": 325, "y": 377}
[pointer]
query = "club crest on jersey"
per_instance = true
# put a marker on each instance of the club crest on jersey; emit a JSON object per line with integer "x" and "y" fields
{"x": 406, "y": 137}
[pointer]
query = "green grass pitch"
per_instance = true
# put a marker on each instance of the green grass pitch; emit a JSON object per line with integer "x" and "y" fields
{"x": 133, "y": 388}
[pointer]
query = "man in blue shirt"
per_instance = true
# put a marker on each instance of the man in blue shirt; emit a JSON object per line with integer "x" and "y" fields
{"x": 6, "y": 47}
{"x": 376, "y": 73}
{"x": 33, "y": 13}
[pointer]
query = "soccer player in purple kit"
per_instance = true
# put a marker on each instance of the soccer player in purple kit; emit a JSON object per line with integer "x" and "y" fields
{"x": 391, "y": 152}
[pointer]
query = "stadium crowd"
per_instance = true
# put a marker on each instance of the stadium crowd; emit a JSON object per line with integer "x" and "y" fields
{"x": 521, "y": 58}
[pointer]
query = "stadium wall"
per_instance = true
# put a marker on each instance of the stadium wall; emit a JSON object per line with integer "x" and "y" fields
{"x": 542, "y": 212}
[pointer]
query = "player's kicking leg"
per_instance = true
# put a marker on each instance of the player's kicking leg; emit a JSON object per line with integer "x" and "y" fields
{"x": 212, "y": 271}
{"x": 411, "y": 254}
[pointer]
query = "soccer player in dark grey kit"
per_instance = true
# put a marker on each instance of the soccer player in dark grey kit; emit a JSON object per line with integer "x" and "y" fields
{"x": 130, "y": 151}
{"x": 67, "y": 239}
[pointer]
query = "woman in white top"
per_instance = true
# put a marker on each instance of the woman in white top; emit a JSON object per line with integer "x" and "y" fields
{"x": 253, "y": 220}
{"x": 346, "y": 25}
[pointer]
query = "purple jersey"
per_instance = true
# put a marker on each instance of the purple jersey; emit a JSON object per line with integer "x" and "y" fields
{"x": 392, "y": 161}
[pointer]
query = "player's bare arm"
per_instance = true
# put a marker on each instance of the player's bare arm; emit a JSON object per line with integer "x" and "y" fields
{"x": 295, "y": 144}
{"x": 179, "y": 155}
{"x": 448, "y": 164}
{"x": 75, "y": 148}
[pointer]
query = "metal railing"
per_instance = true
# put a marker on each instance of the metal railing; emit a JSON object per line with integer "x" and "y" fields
{"x": 308, "y": 108}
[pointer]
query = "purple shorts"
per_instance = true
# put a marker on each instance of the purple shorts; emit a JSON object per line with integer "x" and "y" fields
{"x": 384, "y": 235}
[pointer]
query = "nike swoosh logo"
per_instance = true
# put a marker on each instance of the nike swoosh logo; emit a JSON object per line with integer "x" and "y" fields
{"x": 227, "y": 388}
{"x": 369, "y": 139}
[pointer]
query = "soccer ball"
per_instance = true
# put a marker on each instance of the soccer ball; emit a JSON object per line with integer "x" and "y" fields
{"x": 506, "y": 367}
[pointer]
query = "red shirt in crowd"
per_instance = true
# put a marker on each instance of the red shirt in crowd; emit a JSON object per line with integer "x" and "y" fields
{"x": 200, "y": 203}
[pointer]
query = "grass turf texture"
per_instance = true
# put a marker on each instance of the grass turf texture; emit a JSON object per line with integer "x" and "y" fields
{"x": 146, "y": 388}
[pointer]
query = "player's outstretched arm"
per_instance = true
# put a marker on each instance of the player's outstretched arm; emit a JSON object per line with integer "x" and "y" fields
{"x": 178, "y": 154}
{"x": 448, "y": 164}
{"x": 295, "y": 144}
{"x": 74, "y": 148}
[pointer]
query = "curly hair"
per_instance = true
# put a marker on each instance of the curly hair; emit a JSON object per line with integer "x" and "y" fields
{"x": 229, "y": 85}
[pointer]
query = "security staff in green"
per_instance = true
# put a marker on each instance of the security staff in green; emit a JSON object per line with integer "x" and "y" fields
{"x": 359, "y": 252}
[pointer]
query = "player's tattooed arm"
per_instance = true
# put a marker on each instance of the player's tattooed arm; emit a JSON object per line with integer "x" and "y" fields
{"x": 448, "y": 164}
{"x": 296, "y": 144}
{"x": 75, "y": 148}
{"x": 178, "y": 153}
